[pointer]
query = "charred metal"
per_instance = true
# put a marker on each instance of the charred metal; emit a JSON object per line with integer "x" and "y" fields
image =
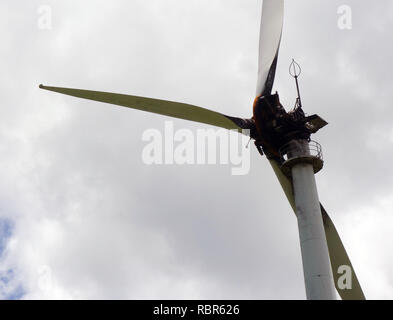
{"x": 272, "y": 126}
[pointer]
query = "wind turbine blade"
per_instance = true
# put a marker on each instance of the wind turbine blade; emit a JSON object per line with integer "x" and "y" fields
{"x": 337, "y": 252}
{"x": 269, "y": 44}
{"x": 167, "y": 108}
{"x": 339, "y": 258}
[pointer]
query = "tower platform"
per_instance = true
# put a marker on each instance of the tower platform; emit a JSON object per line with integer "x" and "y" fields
{"x": 301, "y": 151}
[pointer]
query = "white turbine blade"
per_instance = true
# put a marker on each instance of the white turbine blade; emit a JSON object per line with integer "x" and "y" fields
{"x": 339, "y": 258}
{"x": 162, "y": 107}
{"x": 269, "y": 44}
{"x": 338, "y": 255}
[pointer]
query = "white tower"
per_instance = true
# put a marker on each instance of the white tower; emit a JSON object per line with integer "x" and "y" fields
{"x": 302, "y": 161}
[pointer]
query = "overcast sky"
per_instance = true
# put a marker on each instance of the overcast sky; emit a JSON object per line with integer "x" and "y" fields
{"x": 81, "y": 215}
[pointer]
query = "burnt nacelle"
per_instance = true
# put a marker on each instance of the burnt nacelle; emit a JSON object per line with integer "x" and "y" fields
{"x": 274, "y": 127}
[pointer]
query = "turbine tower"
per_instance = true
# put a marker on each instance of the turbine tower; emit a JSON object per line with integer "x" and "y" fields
{"x": 285, "y": 139}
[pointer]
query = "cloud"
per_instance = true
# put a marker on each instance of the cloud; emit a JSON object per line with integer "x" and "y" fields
{"x": 90, "y": 220}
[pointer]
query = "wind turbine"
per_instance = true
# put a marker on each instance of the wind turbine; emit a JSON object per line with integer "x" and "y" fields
{"x": 284, "y": 137}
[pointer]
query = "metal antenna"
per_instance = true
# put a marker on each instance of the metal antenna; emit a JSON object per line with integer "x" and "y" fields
{"x": 295, "y": 71}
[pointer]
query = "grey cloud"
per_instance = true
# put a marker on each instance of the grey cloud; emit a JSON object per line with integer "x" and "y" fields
{"x": 110, "y": 227}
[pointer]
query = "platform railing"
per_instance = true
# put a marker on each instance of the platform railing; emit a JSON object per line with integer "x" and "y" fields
{"x": 293, "y": 150}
